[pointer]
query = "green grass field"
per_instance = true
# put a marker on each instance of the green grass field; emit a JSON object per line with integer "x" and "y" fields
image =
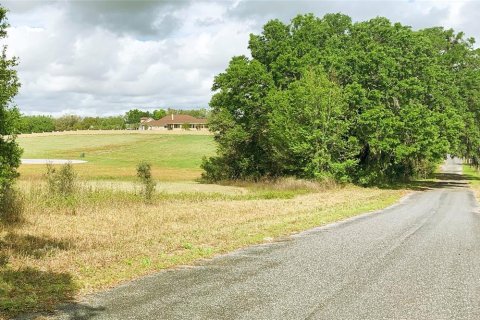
{"x": 115, "y": 156}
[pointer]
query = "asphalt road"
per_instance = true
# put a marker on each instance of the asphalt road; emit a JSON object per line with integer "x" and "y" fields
{"x": 419, "y": 259}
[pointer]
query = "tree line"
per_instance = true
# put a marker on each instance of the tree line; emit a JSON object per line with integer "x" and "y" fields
{"x": 131, "y": 120}
{"x": 326, "y": 98}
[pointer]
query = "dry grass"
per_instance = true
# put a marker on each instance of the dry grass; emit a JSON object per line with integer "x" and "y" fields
{"x": 103, "y": 236}
{"x": 472, "y": 175}
{"x": 92, "y": 171}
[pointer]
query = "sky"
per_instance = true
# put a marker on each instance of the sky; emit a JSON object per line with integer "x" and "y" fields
{"x": 99, "y": 58}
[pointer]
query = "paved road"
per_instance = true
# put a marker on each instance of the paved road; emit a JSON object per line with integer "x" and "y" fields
{"x": 417, "y": 260}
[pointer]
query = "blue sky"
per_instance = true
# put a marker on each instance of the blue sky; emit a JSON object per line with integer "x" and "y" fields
{"x": 105, "y": 57}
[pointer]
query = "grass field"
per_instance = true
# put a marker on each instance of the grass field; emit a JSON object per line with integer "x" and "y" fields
{"x": 106, "y": 233}
{"x": 115, "y": 156}
{"x": 472, "y": 175}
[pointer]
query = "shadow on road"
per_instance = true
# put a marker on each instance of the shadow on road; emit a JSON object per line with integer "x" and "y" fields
{"x": 80, "y": 311}
{"x": 437, "y": 181}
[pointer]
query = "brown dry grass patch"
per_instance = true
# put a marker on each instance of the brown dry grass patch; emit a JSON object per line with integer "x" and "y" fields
{"x": 103, "y": 238}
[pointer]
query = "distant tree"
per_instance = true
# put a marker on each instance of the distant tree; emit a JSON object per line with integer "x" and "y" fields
{"x": 133, "y": 116}
{"x": 112, "y": 123}
{"x": 67, "y": 123}
{"x": 34, "y": 124}
{"x": 158, "y": 114}
{"x": 10, "y": 152}
{"x": 88, "y": 123}
{"x": 197, "y": 113}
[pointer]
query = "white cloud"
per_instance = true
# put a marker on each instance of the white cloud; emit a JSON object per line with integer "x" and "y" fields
{"x": 104, "y": 57}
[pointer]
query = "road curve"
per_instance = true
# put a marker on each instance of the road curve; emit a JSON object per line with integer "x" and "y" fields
{"x": 417, "y": 260}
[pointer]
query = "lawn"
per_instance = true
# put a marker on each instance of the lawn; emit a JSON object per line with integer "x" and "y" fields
{"x": 115, "y": 156}
{"x": 106, "y": 233}
{"x": 472, "y": 175}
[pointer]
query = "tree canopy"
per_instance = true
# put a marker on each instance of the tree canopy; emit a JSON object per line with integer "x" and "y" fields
{"x": 369, "y": 102}
{"x": 9, "y": 150}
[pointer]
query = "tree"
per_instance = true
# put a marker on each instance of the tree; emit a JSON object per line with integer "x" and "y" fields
{"x": 133, "y": 116}
{"x": 67, "y": 122}
{"x": 323, "y": 96}
{"x": 33, "y": 124}
{"x": 309, "y": 131}
{"x": 158, "y": 114}
{"x": 10, "y": 152}
{"x": 239, "y": 118}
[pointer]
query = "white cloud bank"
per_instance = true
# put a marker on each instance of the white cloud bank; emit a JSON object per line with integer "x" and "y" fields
{"x": 105, "y": 57}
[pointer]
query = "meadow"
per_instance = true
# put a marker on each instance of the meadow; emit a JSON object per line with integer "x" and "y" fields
{"x": 114, "y": 156}
{"x": 106, "y": 233}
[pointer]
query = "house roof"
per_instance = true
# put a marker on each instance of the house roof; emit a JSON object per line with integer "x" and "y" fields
{"x": 176, "y": 119}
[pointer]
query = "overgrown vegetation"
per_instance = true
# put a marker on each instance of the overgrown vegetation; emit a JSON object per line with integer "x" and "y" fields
{"x": 369, "y": 102}
{"x": 144, "y": 173}
{"x": 61, "y": 181}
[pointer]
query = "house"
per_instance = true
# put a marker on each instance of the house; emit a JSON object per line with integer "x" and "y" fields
{"x": 174, "y": 122}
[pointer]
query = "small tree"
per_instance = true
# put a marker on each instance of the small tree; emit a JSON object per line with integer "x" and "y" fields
{"x": 144, "y": 172}
{"x": 186, "y": 126}
{"x": 10, "y": 152}
{"x": 62, "y": 182}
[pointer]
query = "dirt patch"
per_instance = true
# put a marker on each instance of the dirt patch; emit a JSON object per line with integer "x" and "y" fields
{"x": 52, "y": 161}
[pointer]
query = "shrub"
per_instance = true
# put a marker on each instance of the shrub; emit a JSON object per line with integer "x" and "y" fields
{"x": 144, "y": 172}
{"x": 62, "y": 181}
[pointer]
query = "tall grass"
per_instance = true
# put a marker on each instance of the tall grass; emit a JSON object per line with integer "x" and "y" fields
{"x": 11, "y": 206}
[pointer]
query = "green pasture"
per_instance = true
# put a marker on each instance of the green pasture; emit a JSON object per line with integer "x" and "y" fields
{"x": 115, "y": 156}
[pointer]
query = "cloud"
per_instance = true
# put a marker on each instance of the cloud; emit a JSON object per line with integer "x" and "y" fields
{"x": 142, "y": 18}
{"x": 104, "y": 57}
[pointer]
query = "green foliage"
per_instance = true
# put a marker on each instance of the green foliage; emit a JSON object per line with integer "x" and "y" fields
{"x": 62, "y": 181}
{"x": 308, "y": 129}
{"x": 144, "y": 172}
{"x": 197, "y": 113}
{"x": 35, "y": 124}
{"x": 67, "y": 122}
{"x": 325, "y": 98}
{"x": 158, "y": 114}
{"x": 43, "y": 123}
{"x": 186, "y": 126}
{"x": 239, "y": 119}
{"x": 133, "y": 116}
{"x": 10, "y": 152}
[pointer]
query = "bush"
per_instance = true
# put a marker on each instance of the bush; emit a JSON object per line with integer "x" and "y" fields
{"x": 11, "y": 206}
{"x": 144, "y": 172}
{"x": 62, "y": 181}
{"x": 215, "y": 169}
